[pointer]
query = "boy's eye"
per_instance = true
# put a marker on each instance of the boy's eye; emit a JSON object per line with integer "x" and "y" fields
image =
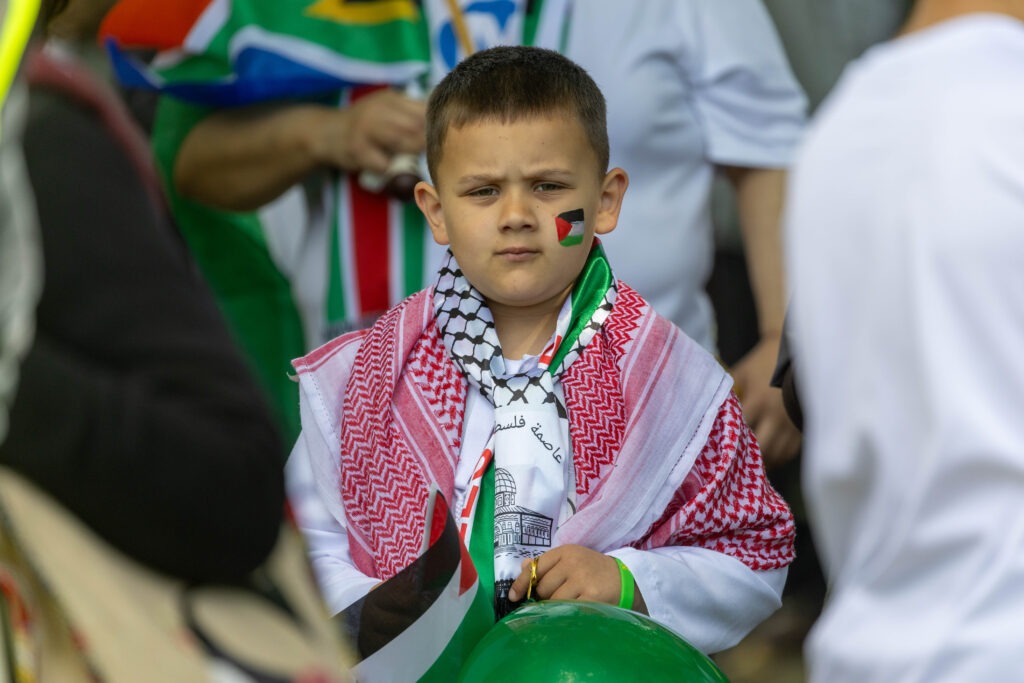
{"x": 482, "y": 192}
{"x": 548, "y": 187}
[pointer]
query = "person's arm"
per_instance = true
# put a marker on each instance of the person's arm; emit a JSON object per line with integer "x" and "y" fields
{"x": 313, "y": 473}
{"x": 135, "y": 409}
{"x": 709, "y": 598}
{"x": 241, "y": 159}
{"x": 341, "y": 583}
{"x": 759, "y": 194}
{"x": 714, "y": 565}
{"x": 729, "y": 601}
{"x": 753, "y": 111}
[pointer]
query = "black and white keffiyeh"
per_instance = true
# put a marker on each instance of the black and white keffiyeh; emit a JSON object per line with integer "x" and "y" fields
{"x": 529, "y": 444}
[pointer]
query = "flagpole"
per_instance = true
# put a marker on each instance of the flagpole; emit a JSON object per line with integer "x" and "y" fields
{"x": 459, "y": 24}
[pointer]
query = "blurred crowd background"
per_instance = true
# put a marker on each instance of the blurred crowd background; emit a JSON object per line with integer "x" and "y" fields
{"x": 179, "y": 346}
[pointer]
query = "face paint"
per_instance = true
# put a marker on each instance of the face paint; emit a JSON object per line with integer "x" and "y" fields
{"x": 570, "y": 227}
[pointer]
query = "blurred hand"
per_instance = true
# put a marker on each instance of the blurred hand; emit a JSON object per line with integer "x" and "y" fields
{"x": 762, "y": 404}
{"x": 365, "y": 135}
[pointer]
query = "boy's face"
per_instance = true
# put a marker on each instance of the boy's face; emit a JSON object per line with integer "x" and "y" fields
{"x": 500, "y": 187}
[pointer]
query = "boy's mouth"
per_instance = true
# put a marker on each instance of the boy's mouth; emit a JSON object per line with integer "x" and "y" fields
{"x": 517, "y": 253}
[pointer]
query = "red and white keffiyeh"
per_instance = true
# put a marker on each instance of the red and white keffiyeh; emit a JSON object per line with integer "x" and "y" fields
{"x": 661, "y": 454}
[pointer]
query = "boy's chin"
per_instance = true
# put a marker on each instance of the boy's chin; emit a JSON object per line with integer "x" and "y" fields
{"x": 527, "y": 299}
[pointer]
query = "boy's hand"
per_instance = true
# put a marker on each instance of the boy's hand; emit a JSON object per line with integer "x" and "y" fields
{"x": 571, "y": 572}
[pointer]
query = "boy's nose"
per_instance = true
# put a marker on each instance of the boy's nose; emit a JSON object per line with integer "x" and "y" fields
{"x": 517, "y": 211}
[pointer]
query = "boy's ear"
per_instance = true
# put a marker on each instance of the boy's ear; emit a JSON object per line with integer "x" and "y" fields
{"x": 613, "y": 188}
{"x": 430, "y": 204}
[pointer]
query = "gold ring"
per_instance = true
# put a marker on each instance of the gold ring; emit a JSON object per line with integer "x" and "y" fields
{"x": 533, "y": 577}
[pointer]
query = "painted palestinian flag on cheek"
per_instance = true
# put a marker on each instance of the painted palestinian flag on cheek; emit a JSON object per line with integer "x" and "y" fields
{"x": 570, "y": 227}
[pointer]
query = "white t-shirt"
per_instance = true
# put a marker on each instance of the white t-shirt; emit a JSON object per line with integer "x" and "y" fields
{"x": 689, "y": 85}
{"x": 905, "y": 239}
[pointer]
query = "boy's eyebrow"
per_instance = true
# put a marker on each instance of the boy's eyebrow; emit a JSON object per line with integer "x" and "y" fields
{"x": 485, "y": 178}
{"x": 552, "y": 173}
{"x": 476, "y": 179}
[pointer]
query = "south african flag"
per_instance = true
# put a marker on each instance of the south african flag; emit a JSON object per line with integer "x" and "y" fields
{"x": 233, "y": 52}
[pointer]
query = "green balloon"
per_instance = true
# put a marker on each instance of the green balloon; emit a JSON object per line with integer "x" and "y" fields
{"x": 559, "y": 641}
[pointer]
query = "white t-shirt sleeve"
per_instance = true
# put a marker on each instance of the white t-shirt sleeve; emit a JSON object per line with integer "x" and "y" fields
{"x": 341, "y": 584}
{"x": 751, "y": 106}
{"x": 710, "y": 599}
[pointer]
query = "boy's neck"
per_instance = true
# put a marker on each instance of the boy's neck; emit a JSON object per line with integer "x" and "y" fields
{"x": 525, "y": 331}
{"x": 927, "y": 13}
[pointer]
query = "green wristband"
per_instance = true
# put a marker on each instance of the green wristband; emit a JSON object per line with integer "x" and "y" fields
{"x": 628, "y": 585}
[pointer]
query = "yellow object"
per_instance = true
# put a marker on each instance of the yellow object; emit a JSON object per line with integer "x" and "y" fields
{"x": 18, "y": 21}
{"x": 459, "y": 25}
{"x": 349, "y": 12}
{"x": 533, "y": 578}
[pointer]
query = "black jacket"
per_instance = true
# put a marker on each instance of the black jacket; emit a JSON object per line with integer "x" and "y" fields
{"x": 135, "y": 408}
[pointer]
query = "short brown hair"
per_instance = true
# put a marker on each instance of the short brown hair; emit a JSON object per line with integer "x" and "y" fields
{"x": 511, "y": 83}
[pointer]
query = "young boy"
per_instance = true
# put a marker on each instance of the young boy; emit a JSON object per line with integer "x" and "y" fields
{"x": 611, "y": 443}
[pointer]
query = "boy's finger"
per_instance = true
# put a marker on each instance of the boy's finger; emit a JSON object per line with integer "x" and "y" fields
{"x": 549, "y": 583}
{"x": 521, "y": 585}
{"x": 518, "y": 588}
